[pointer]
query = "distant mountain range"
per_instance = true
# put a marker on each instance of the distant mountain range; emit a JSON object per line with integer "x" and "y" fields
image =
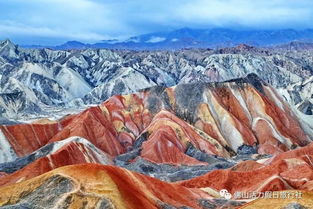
{"x": 196, "y": 38}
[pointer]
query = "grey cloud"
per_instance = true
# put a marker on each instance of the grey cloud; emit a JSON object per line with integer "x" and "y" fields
{"x": 91, "y": 20}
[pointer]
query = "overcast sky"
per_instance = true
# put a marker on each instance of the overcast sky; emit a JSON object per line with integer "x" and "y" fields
{"x": 56, "y": 21}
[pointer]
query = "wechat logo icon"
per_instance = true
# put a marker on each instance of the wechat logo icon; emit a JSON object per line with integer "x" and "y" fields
{"x": 224, "y": 193}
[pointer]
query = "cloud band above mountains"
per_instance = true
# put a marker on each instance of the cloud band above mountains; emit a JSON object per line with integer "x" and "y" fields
{"x": 54, "y": 21}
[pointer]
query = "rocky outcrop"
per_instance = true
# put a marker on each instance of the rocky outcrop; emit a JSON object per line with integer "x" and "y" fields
{"x": 300, "y": 95}
{"x": 33, "y": 82}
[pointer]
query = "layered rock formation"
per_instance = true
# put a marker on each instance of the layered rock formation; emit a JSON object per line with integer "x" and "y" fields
{"x": 216, "y": 119}
{"x": 96, "y": 186}
{"x": 203, "y": 137}
{"x": 38, "y": 81}
{"x": 188, "y": 138}
{"x": 289, "y": 170}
